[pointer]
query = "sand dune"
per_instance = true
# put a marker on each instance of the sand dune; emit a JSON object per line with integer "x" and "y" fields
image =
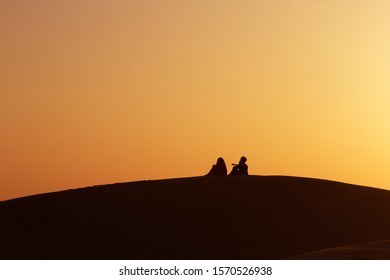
{"x": 366, "y": 251}
{"x": 241, "y": 217}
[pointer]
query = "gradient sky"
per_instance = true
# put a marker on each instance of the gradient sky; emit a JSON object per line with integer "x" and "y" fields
{"x": 96, "y": 92}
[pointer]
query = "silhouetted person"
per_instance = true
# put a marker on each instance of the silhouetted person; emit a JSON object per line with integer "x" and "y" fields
{"x": 219, "y": 168}
{"x": 241, "y": 168}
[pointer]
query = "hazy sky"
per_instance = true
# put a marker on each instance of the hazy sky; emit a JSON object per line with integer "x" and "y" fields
{"x": 104, "y": 91}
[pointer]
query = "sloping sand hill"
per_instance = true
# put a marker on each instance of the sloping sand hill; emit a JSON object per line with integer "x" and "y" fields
{"x": 364, "y": 251}
{"x": 240, "y": 217}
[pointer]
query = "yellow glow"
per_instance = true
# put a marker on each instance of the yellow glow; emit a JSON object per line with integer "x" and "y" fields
{"x": 108, "y": 91}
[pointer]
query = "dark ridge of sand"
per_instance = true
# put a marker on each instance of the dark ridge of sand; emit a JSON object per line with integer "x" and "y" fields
{"x": 365, "y": 251}
{"x": 240, "y": 217}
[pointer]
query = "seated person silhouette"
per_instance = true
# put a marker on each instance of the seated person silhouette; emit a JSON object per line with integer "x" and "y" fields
{"x": 219, "y": 168}
{"x": 241, "y": 168}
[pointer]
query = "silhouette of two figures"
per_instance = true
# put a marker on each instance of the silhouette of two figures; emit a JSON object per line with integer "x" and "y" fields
{"x": 220, "y": 168}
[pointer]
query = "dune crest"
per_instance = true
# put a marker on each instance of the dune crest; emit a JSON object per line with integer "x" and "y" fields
{"x": 239, "y": 217}
{"x": 365, "y": 251}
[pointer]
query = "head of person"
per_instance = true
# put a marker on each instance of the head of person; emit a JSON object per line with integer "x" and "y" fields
{"x": 220, "y": 162}
{"x": 242, "y": 160}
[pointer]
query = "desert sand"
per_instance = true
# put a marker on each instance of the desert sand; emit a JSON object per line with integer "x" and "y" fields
{"x": 221, "y": 217}
{"x": 365, "y": 251}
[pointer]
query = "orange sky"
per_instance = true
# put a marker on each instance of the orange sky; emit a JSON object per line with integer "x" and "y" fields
{"x": 96, "y": 92}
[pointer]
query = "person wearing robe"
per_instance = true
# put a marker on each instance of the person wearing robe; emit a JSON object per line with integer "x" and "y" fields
{"x": 219, "y": 168}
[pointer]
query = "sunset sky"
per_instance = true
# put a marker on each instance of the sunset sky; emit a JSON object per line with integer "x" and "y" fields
{"x": 97, "y": 92}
